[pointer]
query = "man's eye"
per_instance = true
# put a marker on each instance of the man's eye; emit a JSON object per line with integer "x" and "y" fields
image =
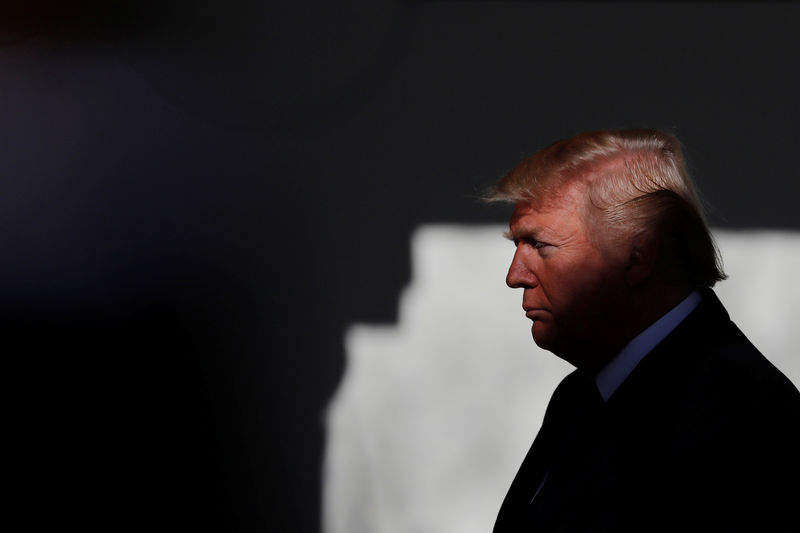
{"x": 531, "y": 242}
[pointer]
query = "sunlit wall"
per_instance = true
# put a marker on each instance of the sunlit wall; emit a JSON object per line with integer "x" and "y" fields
{"x": 434, "y": 414}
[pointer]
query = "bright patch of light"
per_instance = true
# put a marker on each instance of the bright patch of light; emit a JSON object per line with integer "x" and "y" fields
{"x": 435, "y": 414}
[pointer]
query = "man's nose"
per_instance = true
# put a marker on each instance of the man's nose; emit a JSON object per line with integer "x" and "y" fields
{"x": 519, "y": 275}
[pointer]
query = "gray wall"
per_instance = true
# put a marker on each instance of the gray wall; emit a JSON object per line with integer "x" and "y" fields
{"x": 198, "y": 198}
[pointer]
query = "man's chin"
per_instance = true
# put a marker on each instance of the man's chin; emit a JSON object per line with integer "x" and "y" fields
{"x": 542, "y": 336}
{"x": 577, "y": 354}
{"x": 546, "y": 339}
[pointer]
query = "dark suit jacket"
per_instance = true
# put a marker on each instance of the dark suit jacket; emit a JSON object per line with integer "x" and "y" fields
{"x": 704, "y": 435}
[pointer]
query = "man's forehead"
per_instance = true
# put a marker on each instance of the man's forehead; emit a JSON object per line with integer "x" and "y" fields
{"x": 531, "y": 219}
{"x": 565, "y": 200}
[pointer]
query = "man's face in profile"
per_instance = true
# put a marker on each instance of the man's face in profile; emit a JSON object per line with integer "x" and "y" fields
{"x": 573, "y": 292}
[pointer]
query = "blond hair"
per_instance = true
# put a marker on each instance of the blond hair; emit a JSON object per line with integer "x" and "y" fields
{"x": 634, "y": 181}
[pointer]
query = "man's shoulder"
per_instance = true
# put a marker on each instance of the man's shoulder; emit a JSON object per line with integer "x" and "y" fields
{"x": 734, "y": 377}
{"x": 707, "y": 365}
{"x": 718, "y": 357}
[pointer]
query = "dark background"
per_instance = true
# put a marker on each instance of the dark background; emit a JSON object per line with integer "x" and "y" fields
{"x": 198, "y": 197}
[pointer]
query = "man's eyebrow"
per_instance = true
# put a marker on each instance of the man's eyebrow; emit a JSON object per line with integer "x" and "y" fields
{"x": 522, "y": 234}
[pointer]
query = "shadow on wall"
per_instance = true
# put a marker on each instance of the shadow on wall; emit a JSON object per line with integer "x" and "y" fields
{"x": 107, "y": 419}
{"x": 434, "y": 414}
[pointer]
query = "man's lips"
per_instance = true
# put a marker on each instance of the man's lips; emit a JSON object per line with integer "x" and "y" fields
{"x": 535, "y": 313}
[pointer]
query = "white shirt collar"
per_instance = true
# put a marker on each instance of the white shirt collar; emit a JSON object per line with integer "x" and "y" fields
{"x": 621, "y": 366}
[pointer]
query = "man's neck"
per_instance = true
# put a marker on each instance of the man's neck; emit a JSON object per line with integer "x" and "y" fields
{"x": 622, "y": 364}
{"x": 647, "y": 305}
{"x": 650, "y": 305}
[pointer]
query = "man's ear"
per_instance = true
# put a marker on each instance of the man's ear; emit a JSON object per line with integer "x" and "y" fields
{"x": 642, "y": 259}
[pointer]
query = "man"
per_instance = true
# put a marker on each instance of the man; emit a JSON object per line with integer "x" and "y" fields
{"x": 672, "y": 419}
